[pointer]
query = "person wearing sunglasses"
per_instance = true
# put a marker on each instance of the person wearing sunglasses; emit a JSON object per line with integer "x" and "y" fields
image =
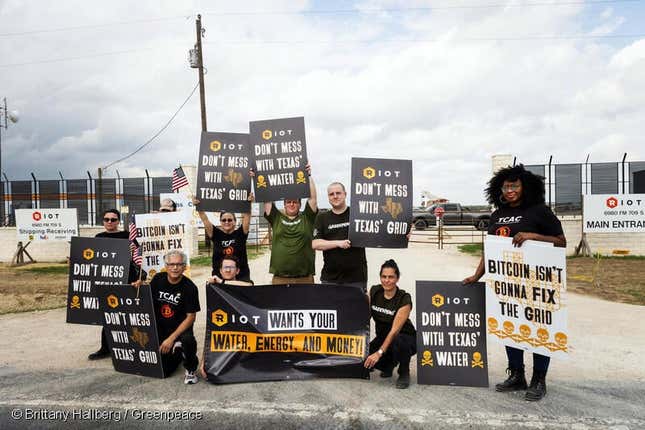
{"x": 111, "y": 219}
{"x": 228, "y": 273}
{"x": 228, "y": 239}
{"x": 523, "y": 215}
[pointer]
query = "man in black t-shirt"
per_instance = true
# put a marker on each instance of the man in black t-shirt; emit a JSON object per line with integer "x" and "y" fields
{"x": 343, "y": 264}
{"x": 176, "y": 303}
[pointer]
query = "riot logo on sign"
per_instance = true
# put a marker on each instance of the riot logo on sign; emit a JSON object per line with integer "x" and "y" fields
{"x": 612, "y": 202}
{"x": 219, "y": 317}
{"x": 216, "y": 145}
{"x": 88, "y": 253}
{"x": 266, "y": 134}
{"x": 369, "y": 172}
{"x": 112, "y": 301}
{"x": 37, "y": 216}
{"x": 438, "y": 300}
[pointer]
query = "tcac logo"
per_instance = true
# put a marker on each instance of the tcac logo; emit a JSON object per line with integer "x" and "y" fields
{"x": 612, "y": 202}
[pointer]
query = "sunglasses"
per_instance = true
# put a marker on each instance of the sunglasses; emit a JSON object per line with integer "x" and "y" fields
{"x": 110, "y": 219}
{"x": 227, "y": 220}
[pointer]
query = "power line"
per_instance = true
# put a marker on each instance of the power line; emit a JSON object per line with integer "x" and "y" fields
{"x": 320, "y": 12}
{"x": 157, "y": 133}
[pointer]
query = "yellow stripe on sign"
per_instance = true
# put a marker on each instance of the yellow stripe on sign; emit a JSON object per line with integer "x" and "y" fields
{"x": 311, "y": 343}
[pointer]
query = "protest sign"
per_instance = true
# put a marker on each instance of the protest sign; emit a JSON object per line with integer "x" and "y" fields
{"x": 46, "y": 224}
{"x": 129, "y": 319}
{"x": 451, "y": 334}
{"x": 284, "y": 332}
{"x": 223, "y": 181}
{"x": 159, "y": 233}
{"x": 381, "y": 203}
{"x": 613, "y": 213}
{"x": 94, "y": 262}
{"x": 279, "y": 154}
{"x": 526, "y": 295}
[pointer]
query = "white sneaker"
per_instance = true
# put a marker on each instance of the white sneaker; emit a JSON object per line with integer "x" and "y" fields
{"x": 190, "y": 378}
{"x": 177, "y": 345}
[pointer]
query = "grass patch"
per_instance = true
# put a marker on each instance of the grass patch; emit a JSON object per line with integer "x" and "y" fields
{"x": 475, "y": 249}
{"x": 61, "y": 269}
{"x": 618, "y": 279}
{"x": 32, "y": 287}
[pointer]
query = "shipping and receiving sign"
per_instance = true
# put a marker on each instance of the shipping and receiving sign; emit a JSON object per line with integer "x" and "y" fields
{"x": 451, "y": 334}
{"x": 279, "y": 154}
{"x": 381, "y": 203}
{"x": 614, "y": 213}
{"x": 284, "y": 332}
{"x": 526, "y": 295}
{"x": 159, "y": 233}
{"x": 223, "y": 181}
{"x": 128, "y": 317}
{"x": 46, "y": 224}
{"x": 94, "y": 262}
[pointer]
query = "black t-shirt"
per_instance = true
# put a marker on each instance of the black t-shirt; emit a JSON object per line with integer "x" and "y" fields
{"x": 225, "y": 244}
{"x": 341, "y": 265}
{"x": 383, "y": 310}
{"x": 133, "y": 273}
{"x": 508, "y": 221}
{"x": 172, "y": 303}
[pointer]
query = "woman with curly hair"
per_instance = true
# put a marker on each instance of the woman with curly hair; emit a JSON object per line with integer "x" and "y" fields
{"x": 523, "y": 215}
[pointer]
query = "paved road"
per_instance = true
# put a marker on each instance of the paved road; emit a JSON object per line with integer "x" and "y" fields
{"x": 44, "y": 371}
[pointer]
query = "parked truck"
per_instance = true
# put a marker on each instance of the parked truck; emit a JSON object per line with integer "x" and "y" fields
{"x": 453, "y": 214}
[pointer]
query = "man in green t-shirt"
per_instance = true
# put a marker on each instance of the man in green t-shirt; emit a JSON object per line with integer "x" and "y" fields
{"x": 292, "y": 258}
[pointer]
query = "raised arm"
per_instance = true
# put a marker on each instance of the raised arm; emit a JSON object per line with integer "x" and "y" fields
{"x": 208, "y": 226}
{"x": 246, "y": 218}
{"x": 313, "y": 197}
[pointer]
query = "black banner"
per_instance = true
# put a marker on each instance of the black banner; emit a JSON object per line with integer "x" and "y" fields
{"x": 279, "y": 154}
{"x": 94, "y": 262}
{"x": 451, "y": 334}
{"x": 381, "y": 203}
{"x": 223, "y": 181}
{"x": 285, "y": 332}
{"x": 129, "y": 320}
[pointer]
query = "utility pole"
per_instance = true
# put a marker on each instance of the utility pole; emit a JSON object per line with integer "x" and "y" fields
{"x": 200, "y": 68}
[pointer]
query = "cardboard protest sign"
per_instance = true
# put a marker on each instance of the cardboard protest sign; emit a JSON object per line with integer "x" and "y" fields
{"x": 381, "y": 203}
{"x": 285, "y": 332}
{"x": 94, "y": 262}
{"x": 159, "y": 233}
{"x": 451, "y": 334}
{"x": 613, "y": 213}
{"x": 129, "y": 319}
{"x": 279, "y": 154}
{"x": 526, "y": 295}
{"x": 46, "y": 224}
{"x": 223, "y": 181}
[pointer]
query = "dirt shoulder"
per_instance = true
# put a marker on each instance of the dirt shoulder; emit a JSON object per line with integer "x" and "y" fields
{"x": 616, "y": 279}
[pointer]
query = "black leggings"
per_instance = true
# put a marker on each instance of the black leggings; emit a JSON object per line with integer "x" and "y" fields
{"x": 187, "y": 354}
{"x": 402, "y": 348}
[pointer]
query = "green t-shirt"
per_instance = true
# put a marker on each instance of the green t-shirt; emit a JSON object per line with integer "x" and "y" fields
{"x": 291, "y": 253}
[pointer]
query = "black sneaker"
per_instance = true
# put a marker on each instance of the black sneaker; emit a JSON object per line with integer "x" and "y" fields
{"x": 98, "y": 355}
{"x": 515, "y": 381}
{"x": 404, "y": 381}
{"x": 537, "y": 389}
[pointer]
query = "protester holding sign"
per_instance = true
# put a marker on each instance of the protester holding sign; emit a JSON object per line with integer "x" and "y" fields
{"x": 292, "y": 257}
{"x": 176, "y": 303}
{"x": 111, "y": 218}
{"x": 521, "y": 214}
{"x": 228, "y": 240}
{"x": 228, "y": 272}
{"x": 395, "y": 340}
{"x": 343, "y": 264}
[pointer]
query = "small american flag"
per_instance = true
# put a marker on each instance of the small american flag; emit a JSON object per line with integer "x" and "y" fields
{"x": 179, "y": 179}
{"x": 135, "y": 250}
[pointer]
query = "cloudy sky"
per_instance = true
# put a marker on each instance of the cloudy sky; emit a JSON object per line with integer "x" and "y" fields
{"x": 445, "y": 83}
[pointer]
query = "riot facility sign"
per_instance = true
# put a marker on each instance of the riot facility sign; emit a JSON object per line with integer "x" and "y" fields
{"x": 223, "y": 181}
{"x": 129, "y": 320}
{"x": 46, "y": 224}
{"x": 381, "y": 203}
{"x": 94, "y": 262}
{"x": 285, "y": 332}
{"x": 279, "y": 154}
{"x": 614, "y": 213}
{"x": 451, "y": 334}
{"x": 526, "y": 295}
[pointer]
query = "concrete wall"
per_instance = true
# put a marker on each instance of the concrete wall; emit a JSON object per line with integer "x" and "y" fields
{"x": 49, "y": 251}
{"x": 603, "y": 243}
